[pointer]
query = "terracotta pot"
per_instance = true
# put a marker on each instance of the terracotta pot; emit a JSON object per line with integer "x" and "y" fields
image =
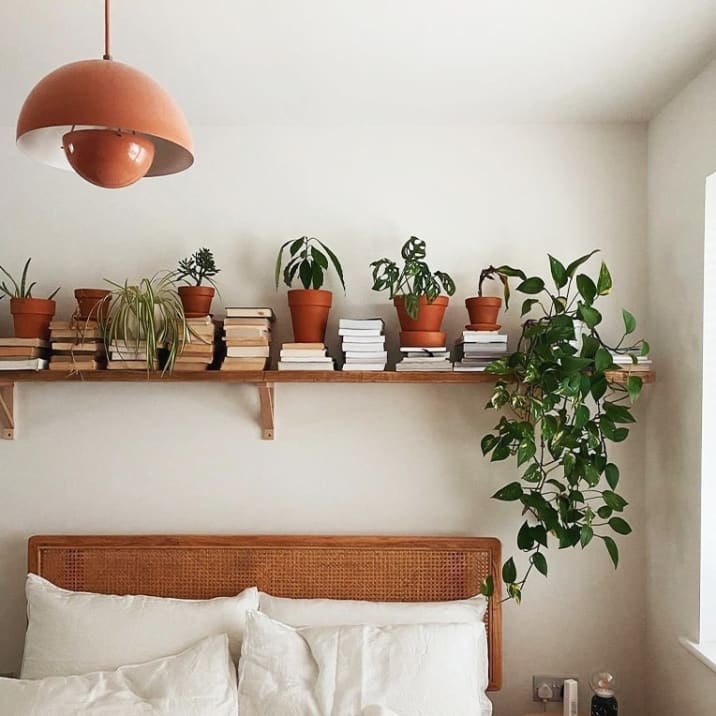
{"x": 309, "y": 313}
{"x": 484, "y": 309}
{"x": 430, "y": 315}
{"x": 196, "y": 300}
{"x": 32, "y": 317}
{"x": 91, "y": 303}
{"x": 423, "y": 339}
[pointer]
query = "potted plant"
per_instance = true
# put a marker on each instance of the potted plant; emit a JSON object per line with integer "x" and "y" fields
{"x": 308, "y": 260}
{"x": 89, "y": 301}
{"x": 483, "y": 310}
{"x": 31, "y": 316}
{"x": 416, "y": 293}
{"x": 143, "y": 319}
{"x": 565, "y": 408}
{"x": 194, "y": 270}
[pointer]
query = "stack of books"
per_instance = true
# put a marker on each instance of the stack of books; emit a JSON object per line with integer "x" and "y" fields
{"x": 363, "y": 343}
{"x": 304, "y": 356}
{"x": 624, "y": 361}
{"x": 131, "y": 355}
{"x": 477, "y": 349}
{"x": 247, "y": 337}
{"x": 424, "y": 359}
{"x": 77, "y": 345}
{"x": 24, "y": 353}
{"x": 197, "y": 354}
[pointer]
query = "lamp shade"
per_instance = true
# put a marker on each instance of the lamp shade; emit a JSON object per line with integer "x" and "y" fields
{"x": 104, "y": 95}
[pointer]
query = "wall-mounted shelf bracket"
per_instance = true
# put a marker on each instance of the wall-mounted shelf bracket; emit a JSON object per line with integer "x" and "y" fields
{"x": 7, "y": 411}
{"x": 266, "y": 410}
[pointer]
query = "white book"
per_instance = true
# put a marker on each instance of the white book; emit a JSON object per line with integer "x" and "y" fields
{"x": 364, "y": 339}
{"x": 483, "y": 337}
{"x": 307, "y": 359}
{"x": 460, "y": 368}
{"x": 427, "y": 359}
{"x": 247, "y": 351}
{"x": 362, "y": 347}
{"x": 362, "y": 324}
{"x": 303, "y": 352}
{"x": 348, "y": 367}
{"x": 29, "y": 364}
{"x": 250, "y": 312}
{"x": 283, "y": 365}
{"x": 425, "y": 368}
{"x": 360, "y": 355}
{"x": 357, "y": 333}
{"x": 350, "y": 361}
{"x": 422, "y": 349}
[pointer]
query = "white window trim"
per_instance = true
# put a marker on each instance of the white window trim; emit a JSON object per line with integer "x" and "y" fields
{"x": 705, "y": 653}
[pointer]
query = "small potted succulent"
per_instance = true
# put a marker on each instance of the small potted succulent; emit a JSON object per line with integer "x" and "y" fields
{"x": 89, "y": 302}
{"x": 308, "y": 260}
{"x": 416, "y": 294}
{"x": 31, "y": 316}
{"x": 194, "y": 270}
{"x": 483, "y": 310}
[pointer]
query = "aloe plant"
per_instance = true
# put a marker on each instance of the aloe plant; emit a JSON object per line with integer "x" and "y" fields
{"x": 146, "y": 317}
{"x": 21, "y": 289}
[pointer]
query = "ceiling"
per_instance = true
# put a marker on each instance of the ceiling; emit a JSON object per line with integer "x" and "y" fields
{"x": 376, "y": 61}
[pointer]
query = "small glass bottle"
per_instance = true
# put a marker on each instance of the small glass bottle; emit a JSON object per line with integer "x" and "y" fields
{"x": 604, "y": 703}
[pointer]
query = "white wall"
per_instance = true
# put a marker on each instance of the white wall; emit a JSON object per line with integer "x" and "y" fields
{"x": 682, "y": 154}
{"x": 347, "y": 459}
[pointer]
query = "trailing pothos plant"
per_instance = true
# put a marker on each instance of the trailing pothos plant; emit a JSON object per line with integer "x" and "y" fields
{"x": 414, "y": 280}
{"x": 562, "y": 412}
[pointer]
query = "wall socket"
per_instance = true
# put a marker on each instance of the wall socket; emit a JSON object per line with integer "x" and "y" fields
{"x": 556, "y": 683}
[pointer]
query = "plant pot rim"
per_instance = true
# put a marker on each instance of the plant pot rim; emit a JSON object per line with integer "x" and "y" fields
{"x": 197, "y": 289}
{"x": 25, "y": 301}
{"x": 308, "y": 290}
{"x": 91, "y": 292}
{"x": 437, "y": 301}
{"x": 489, "y": 300}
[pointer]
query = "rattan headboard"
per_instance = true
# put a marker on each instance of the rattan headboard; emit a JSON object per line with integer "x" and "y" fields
{"x": 201, "y": 567}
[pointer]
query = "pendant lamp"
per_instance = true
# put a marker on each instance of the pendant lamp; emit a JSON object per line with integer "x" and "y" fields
{"x": 107, "y": 121}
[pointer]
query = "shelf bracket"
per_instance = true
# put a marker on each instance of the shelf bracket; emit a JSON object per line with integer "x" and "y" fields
{"x": 7, "y": 411}
{"x": 266, "y": 410}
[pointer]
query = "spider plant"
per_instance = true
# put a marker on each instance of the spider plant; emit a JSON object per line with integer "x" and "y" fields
{"x": 144, "y": 318}
{"x": 21, "y": 289}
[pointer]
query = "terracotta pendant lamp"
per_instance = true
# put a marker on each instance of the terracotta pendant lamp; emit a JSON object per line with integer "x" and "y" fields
{"x": 109, "y": 122}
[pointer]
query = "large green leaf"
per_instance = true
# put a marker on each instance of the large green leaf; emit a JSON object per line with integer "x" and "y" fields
{"x": 613, "y": 550}
{"x": 620, "y": 526}
{"x": 509, "y": 571}
{"x": 586, "y": 288}
{"x": 509, "y": 493}
{"x": 578, "y": 262}
{"x": 634, "y": 385}
{"x": 629, "y": 322}
{"x": 614, "y": 501}
{"x": 487, "y": 589}
{"x": 589, "y": 315}
{"x": 602, "y": 360}
{"x": 604, "y": 282}
{"x": 611, "y": 472}
{"x": 559, "y": 273}
{"x": 531, "y": 285}
{"x": 540, "y": 563}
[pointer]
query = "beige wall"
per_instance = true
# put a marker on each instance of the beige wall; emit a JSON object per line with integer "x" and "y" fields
{"x": 682, "y": 153}
{"x": 347, "y": 459}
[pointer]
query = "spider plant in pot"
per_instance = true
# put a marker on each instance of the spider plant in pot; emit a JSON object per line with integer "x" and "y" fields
{"x": 194, "y": 270}
{"x": 483, "y": 310}
{"x": 416, "y": 294}
{"x": 31, "y": 316}
{"x": 144, "y": 319}
{"x": 563, "y": 408}
{"x": 308, "y": 260}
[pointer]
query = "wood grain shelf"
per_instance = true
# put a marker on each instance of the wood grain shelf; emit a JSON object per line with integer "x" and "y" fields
{"x": 264, "y": 380}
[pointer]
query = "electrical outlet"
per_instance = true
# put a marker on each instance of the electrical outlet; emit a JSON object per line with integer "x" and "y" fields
{"x": 556, "y": 683}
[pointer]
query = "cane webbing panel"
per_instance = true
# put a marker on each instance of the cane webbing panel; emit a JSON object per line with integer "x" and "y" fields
{"x": 200, "y": 567}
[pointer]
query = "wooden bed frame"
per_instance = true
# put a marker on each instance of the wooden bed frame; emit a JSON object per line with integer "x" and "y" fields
{"x": 407, "y": 569}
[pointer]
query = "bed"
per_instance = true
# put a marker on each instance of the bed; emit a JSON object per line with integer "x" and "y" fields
{"x": 418, "y": 569}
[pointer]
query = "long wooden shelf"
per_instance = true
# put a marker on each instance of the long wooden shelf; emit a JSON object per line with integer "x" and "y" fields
{"x": 263, "y": 380}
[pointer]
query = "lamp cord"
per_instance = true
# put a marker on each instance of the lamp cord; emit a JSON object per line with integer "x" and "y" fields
{"x": 107, "y": 55}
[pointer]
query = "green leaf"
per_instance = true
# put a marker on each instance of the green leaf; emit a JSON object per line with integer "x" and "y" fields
{"x": 527, "y": 305}
{"x": 316, "y": 275}
{"x": 559, "y": 273}
{"x": 602, "y": 360}
{"x": 613, "y": 550}
{"x": 525, "y": 540}
{"x": 578, "y": 262}
{"x": 589, "y": 315}
{"x": 581, "y": 416}
{"x": 645, "y": 348}
{"x": 586, "y": 288}
{"x": 614, "y": 501}
{"x": 540, "y": 563}
{"x": 336, "y": 263}
{"x": 629, "y": 322}
{"x": 487, "y": 589}
{"x": 531, "y": 285}
{"x": 501, "y": 452}
{"x": 604, "y": 512}
{"x": 525, "y": 451}
{"x": 305, "y": 273}
{"x": 604, "y": 282}
{"x": 634, "y": 385}
{"x": 488, "y": 442}
{"x": 585, "y": 535}
{"x": 319, "y": 258}
{"x": 620, "y": 526}
{"x": 509, "y": 493}
{"x": 611, "y": 472}
{"x": 514, "y": 592}
{"x": 509, "y": 571}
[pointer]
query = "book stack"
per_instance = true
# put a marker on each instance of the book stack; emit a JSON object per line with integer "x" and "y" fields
{"x": 478, "y": 349}
{"x": 363, "y": 343}
{"x": 304, "y": 356}
{"x": 77, "y": 345}
{"x": 24, "y": 353}
{"x": 247, "y": 337}
{"x": 197, "y": 354}
{"x": 624, "y": 361}
{"x": 435, "y": 359}
{"x": 130, "y": 355}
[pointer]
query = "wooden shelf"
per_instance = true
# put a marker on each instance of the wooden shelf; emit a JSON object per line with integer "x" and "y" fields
{"x": 264, "y": 380}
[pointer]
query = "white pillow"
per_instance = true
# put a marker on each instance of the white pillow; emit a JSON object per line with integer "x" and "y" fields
{"x": 412, "y": 670}
{"x": 78, "y": 632}
{"x": 329, "y": 612}
{"x": 198, "y": 682}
